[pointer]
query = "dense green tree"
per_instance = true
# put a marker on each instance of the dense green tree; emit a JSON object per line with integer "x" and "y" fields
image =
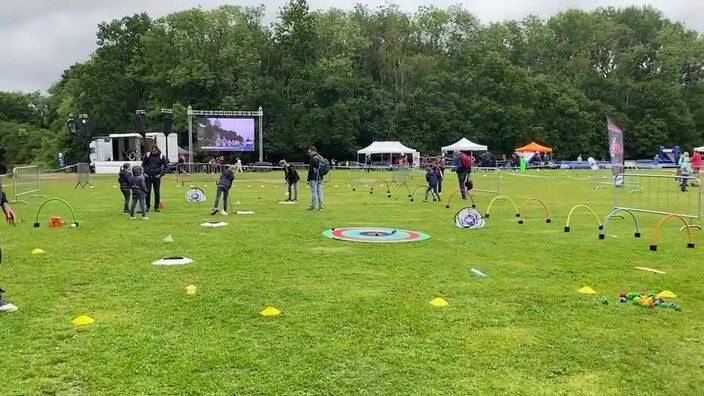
{"x": 342, "y": 79}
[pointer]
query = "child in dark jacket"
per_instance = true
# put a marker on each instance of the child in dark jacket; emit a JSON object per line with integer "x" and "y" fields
{"x": 139, "y": 192}
{"x": 432, "y": 176}
{"x": 125, "y": 181}
{"x": 224, "y": 185}
{"x": 292, "y": 178}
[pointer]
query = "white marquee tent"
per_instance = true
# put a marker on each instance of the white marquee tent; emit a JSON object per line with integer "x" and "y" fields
{"x": 389, "y": 149}
{"x": 464, "y": 145}
{"x": 386, "y": 148}
{"x": 700, "y": 149}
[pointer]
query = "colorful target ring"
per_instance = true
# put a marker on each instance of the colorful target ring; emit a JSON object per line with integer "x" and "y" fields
{"x": 375, "y": 235}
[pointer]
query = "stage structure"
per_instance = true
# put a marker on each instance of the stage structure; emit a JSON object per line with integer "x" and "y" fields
{"x": 218, "y": 114}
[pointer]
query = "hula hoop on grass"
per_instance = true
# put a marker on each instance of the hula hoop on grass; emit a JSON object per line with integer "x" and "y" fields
{"x": 39, "y": 211}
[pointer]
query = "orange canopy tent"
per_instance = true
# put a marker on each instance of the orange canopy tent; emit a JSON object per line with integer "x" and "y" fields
{"x": 534, "y": 147}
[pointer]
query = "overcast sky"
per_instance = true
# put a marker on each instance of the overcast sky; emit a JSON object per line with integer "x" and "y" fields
{"x": 41, "y": 38}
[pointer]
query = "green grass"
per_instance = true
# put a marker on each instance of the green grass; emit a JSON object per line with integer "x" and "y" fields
{"x": 355, "y": 317}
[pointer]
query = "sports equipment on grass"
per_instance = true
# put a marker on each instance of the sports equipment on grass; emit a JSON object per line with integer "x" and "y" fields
{"x": 25, "y": 181}
{"x": 374, "y": 235}
{"x": 179, "y": 260}
{"x": 70, "y": 208}
{"x": 469, "y": 218}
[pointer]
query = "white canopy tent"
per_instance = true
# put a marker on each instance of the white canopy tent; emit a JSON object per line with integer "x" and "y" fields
{"x": 464, "y": 144}
{"x": 388, "y": 148}
{"x": 700, "y": 149}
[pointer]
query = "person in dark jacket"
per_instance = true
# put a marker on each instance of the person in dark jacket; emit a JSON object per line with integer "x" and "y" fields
{"x": 291, "y": 177}
{"x": 432, "y": 177}
{"x": 155, "y": 166}
{"x": 224, "y": 185}
{"x": 139, "y": 192}
{"x": 314, "y": 179}
{"x": 125, "y": 180}
{"x": 6, "y": 306}
{"x": 441, "y": 173}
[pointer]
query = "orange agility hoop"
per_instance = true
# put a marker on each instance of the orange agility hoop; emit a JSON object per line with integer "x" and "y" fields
{"x": 661, "y": 224}
{"x": 522, "y": 210}
{"x": 569, "y": 216}
{"x": 501, "y": 198}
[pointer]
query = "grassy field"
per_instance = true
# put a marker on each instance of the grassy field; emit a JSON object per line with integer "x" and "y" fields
{"x": 355, "y": 317}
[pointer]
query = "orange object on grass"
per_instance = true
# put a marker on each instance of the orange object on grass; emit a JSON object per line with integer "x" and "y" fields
{"x": 57, "y": 222}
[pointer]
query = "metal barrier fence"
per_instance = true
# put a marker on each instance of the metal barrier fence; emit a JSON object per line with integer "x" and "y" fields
{"x": 660, "y": 194}
{"x": 25, "y": 181}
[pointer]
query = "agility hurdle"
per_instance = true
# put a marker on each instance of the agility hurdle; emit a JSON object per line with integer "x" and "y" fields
{"x": 522, "y": 209}
{"x": 661, "y": 224}
{"x": 502, "y": 198}
{"x": 388, "y": 188}
{"x": 83, "y": 175}
{"x": 590, "y": 210}
{"x": 39, "y": 211}
{"x": 454, "y": 194}
{"x": 616, "y": 213}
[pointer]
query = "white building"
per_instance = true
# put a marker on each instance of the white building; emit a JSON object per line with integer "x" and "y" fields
{"x": 108, "y": 154}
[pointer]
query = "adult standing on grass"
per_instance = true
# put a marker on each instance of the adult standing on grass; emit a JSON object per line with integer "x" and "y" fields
{"x": 5, "y": 306}
{"x": 685, "y": 171}
{"x": 155, "y": 166}
{"x": 315, "y": 179}
{"x": 462, "y": 164}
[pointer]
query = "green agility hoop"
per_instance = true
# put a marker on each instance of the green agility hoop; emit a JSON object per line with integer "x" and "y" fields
{"x": 39, "y": 211}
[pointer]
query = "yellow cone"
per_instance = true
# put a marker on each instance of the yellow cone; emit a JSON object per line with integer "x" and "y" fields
{"x": 83, "y": 320}
{"x": 666, "y": 294}
{"x": 438, "y": 302}
{"x": 270, "y": 311}
{"x": 586, "y": 290}
{"x": 190, "y": 290}
{"x": 38, "y": 251}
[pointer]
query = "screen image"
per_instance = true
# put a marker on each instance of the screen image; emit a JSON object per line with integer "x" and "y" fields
{"x": 226, "y": 134}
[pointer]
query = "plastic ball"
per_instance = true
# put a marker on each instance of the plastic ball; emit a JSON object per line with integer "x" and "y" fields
{"x": 73, "y": 225}
{"x": 673, "y": 305}
{"x": 678, "y": 308}
{"x": 622, "y": 300}
{"x": 658, "y": 303}
{"x": 631, "y": 296}
{"x": 605, "y": 301}
{"x": 623, "y": 295}
{"x": 636, "y": 300}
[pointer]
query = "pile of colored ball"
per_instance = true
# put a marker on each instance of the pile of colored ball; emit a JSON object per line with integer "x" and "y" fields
{"x": 647, "y": 300}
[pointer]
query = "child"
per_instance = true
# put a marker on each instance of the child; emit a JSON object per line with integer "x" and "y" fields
{"x": 431, "y": 176}
{"x": 226, "y": 179}
{"x": 291, "y": 177}
{"x": 139, "y": 192}
{"x": 441, "y": 174}
{"x": 125, "y": 181}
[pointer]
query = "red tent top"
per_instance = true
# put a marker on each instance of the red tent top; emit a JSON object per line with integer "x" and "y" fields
{"x": 533, "y": 147}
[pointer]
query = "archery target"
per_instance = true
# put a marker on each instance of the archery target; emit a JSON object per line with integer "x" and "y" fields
{"x": 469, "y": 218}
{"x": 195, "y": 195}
{"x": 375, "y": 235}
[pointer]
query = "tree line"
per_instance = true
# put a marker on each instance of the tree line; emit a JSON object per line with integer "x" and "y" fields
{"x": 342, "y": 79}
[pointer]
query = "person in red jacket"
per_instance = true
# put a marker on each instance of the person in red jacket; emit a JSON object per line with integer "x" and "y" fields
{"x": 697, "y": 162}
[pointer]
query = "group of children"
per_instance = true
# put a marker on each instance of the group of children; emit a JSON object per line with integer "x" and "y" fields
{"x": 132, "y": 183}
{"x": 434, "y": 175}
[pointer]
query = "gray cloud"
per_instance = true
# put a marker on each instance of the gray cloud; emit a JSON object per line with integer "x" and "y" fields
{"x": 41, "y": 38}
